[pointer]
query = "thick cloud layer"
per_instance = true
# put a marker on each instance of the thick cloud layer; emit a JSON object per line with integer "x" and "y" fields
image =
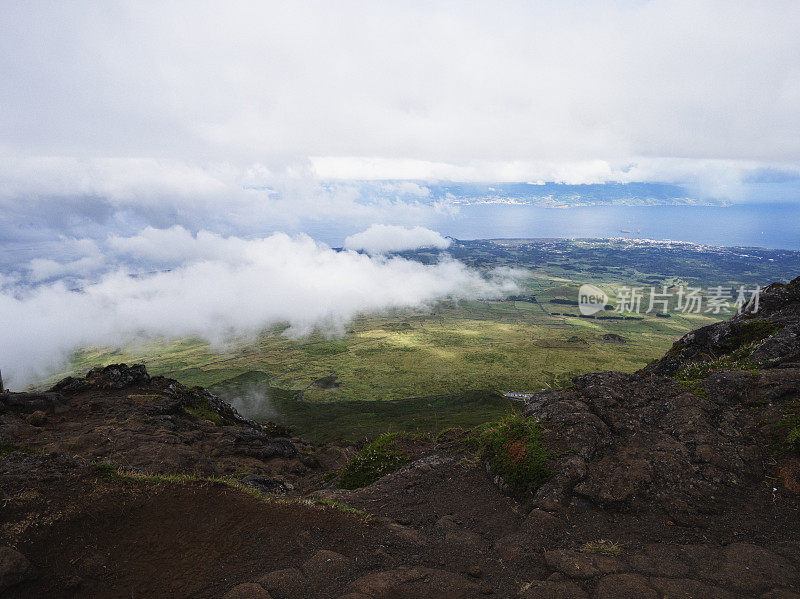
{"x": 382, "y": 239}
{"x": 225, "y": 287}
{"x": 449, "y": 82}
{"x": 166, "y": 113}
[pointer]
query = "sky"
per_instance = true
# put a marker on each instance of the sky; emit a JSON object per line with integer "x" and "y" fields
{"x": 143, "y": 112}
{"x": 173, "y": 136}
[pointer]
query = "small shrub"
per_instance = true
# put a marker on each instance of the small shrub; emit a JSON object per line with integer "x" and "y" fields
{"x": 273, "y": 429}
{"x": 793, "y": 437}
{"x": 791, "y": 424}
{"x": 514, "y": 450}
{"x": 376, "y": 460}
{"x": 106, "y": 469}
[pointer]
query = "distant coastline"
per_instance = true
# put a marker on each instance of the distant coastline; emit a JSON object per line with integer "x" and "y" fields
{"x": 765, "y": 225}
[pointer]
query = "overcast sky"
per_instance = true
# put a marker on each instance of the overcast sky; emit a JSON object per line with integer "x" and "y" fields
{"x": 153, "y": 102}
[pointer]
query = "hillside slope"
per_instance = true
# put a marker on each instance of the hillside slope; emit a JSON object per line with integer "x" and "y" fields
{"x": 680, "y": 480}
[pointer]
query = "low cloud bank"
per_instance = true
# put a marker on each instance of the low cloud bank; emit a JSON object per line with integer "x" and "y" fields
{"x": 382, "y": 239}
{"x": 224, "y": 287}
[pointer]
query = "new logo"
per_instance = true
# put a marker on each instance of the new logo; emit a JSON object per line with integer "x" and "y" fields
{"x": 591, "y": 299}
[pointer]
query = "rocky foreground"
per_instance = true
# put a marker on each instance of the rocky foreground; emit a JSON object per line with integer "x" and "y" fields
{"x": 678, "y": 481}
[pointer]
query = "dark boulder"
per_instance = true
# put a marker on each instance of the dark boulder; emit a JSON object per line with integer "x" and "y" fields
{"x": 14, "y": 568}
{"x": 113, "y": 376}
{"x": 258, "y": 444}
{"x": 767, "y": 333}
{"x": 687, "y": 434}
{"x": 267, "y": 484}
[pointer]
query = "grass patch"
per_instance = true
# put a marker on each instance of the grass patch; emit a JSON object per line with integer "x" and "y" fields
{"x": 110, "y": 471}
{"x": 7, "y": 448}
{"x": 204, "y": 411}
{"x": 106, "y": 469}
{"x": 336, "y": 505}
{"x": 328, "y": 348}
{"x": 373, "y": 462}
{"x": 736, "y": 360}
{"x": 449, "y": 432}
{"x": 513, "y": 447}
{"x": 793, "y": 436}
{"x": 694, "y": 386}
{"x": 601, "y": 547}
{"x": 791, "y": 424}
{"x": 146, "y": 397}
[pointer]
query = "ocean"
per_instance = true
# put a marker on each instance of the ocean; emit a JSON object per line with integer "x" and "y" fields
{"x": 775, "y": 226}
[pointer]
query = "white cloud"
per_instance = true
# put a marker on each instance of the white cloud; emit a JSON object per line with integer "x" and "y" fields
{"x": 176, "y": 245}
{"x": 117, "y": 179}
{"x": 78, "y": 258}
{"x": 712, "y": 178}
{"x": 73, "y": 196}
{"x": 382, "y": 239}
{"x": 42, "y": 269}
{"x": 137, "y": 101}
{"x": 227, "y": 286}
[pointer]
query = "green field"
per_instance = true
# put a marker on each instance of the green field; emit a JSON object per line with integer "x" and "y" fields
{"x": 505, "y": 346}
{"x": 444, "y": 364}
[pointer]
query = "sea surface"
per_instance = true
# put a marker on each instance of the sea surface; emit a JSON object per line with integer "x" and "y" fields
{"x": 774, "y": 226}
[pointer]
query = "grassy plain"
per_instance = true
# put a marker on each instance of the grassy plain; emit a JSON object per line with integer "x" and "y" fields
{"x": 446, "y": 364}
{"x": 502, "y": 346}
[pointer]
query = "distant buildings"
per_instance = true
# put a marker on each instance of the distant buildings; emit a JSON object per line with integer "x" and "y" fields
{"x": 518, "y": 396}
